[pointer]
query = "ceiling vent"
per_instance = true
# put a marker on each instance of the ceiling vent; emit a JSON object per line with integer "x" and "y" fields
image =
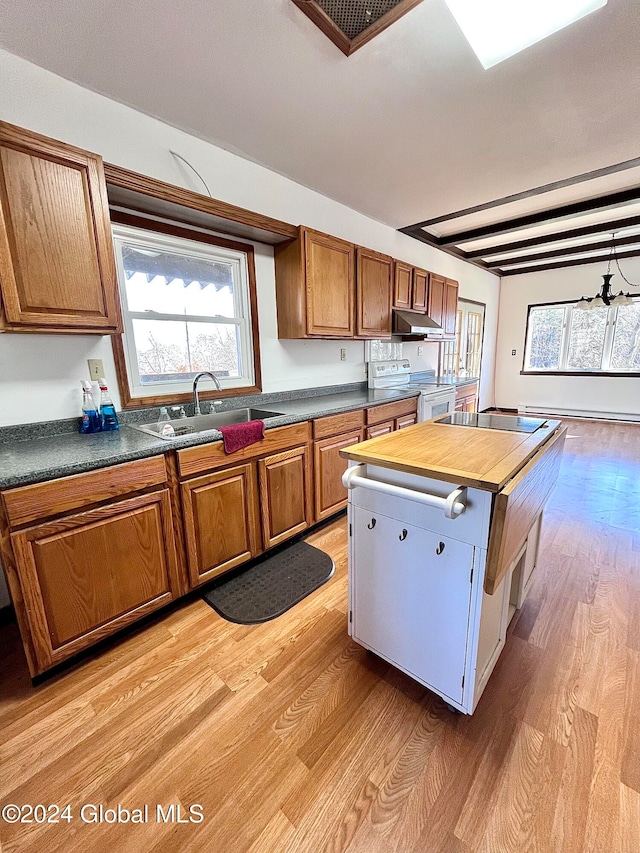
{"x": 351, "y": 23}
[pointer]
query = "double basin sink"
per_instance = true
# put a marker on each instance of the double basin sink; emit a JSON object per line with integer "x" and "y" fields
{"x": 203, "y": 423}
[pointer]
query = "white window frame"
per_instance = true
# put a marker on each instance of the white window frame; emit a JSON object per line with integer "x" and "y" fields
{"x": 562, "y": 368}
{"x": 242, "y": 309}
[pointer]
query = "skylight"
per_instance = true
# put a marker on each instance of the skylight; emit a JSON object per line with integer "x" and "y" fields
{"x": 497, "y": 29}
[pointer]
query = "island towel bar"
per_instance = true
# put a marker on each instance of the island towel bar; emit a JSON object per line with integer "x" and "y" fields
{"x": 453, "y": 505}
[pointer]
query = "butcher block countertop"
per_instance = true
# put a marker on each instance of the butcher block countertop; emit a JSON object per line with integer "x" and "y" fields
{"x": 467, "y": 456}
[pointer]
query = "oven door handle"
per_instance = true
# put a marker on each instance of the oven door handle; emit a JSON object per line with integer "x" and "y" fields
{"x": 453, "y": 505}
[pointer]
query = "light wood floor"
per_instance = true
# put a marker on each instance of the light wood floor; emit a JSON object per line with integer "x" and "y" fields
{"x": 294, "y": 739}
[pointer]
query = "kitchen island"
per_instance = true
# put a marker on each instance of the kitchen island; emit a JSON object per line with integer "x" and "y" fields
{"x": 444, "y": 524}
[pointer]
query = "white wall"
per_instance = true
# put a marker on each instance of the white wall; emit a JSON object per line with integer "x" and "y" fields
{"x": 606, "y": 394}
{"x": 53, "y": 365}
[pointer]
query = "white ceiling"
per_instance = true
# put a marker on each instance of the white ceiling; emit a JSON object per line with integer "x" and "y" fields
{"x": 408, "y": 128}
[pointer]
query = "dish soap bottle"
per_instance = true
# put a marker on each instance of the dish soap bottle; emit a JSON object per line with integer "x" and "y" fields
{"x": 108, "y": 416}
{"x": 90, "y": 418}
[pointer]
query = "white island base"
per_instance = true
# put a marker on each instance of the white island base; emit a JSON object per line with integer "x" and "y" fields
{"x": 416, "y": 581}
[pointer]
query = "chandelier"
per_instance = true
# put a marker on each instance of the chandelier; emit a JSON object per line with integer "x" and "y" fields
{"x": 604, "y": 298}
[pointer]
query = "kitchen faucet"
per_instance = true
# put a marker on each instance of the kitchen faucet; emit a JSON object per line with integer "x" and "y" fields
{"x": 196, "y": 401}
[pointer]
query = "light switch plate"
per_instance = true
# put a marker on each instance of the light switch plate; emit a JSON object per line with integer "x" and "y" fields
{"x": 96, "y": 368}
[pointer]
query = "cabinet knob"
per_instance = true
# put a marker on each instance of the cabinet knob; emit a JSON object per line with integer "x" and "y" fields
{"x": 440, "y": 548}
{"x": 403, "y": 536}
{"x": 371, "y": 524}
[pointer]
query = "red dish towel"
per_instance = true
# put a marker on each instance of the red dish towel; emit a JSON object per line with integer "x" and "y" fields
{"x": 237, "y": 436}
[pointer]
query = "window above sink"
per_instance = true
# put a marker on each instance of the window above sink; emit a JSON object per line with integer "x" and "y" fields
{"x": 188, "y": 306}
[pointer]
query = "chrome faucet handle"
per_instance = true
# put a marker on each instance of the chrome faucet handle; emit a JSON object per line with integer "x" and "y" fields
{"x": 179, "y": 411}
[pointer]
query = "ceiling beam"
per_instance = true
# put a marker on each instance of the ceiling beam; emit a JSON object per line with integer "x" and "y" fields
{"x": 545, "y": 188}
{"x": 556, "y": 237}
{"x": 540, "y": 217}
{"x": 563, "y": 252}
{"x": 574, "y": 262}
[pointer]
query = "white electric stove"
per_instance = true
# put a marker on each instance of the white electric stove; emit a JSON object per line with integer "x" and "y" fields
{"x": 434, "y": 400}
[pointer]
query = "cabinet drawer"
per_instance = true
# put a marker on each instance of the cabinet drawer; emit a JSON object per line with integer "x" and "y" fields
{"x": 335, "y": 424}
{"x": 41, "y": 500}
{"x": 391, "y": 411}
{"x": 380, "y": 429}
{"x": 206, "y": 457}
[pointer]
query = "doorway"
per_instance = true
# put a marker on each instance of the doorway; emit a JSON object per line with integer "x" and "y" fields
{"x": 463, "y": 357}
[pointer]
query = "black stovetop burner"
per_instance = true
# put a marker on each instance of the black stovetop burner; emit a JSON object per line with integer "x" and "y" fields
{"x": 511, "y": 423}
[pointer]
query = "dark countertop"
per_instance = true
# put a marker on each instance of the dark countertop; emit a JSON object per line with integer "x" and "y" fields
{"x": 455, "y": 380}
{"x": 36, "y": 459}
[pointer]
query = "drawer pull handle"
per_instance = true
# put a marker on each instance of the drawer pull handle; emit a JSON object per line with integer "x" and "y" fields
{"x": 440, "y": 548}
{"x": 403, "y": 536}
{"x": 371, "y": 524}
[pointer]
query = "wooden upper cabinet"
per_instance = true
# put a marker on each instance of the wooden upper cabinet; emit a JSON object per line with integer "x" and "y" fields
{"x": 315, "y": 286}
{"x": 374, "y": 293}
{"x": 57, "y": 267}
{"x": 402, "y": 285}
{"x": 435, "y": 307}
{"x": 450, "y": 306}
{"x": 420, "y": 290}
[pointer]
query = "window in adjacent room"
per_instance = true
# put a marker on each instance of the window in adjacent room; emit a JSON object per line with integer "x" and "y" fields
{"x": 187, "y": 307}
{"x": 560, "y": 339}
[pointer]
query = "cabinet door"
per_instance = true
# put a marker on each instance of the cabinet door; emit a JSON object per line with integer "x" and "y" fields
{"x": 380, "y": 429}
{"x": 329, "y": 466}
{"x": 403, "y": 274}
{"x": 285, "y": 494}
{"x": 436, "y": 298}
{"x": 330, "y": 291}
{"x": 460, "y": 406}
{"x": 87, "y": 575}
{"x": 411, "y": 599}
{"x": 420, "y": 290}
{"x": 57, "y": 267}
{"x": 220, "y": 513}
{"x": 470, "y": 404}
{"x": 450, "y": 306}
{"x": 406, "y": 420}
{"x": 373, "y": 285}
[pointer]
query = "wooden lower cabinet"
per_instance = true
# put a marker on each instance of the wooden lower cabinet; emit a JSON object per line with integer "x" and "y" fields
{"x": 286, "y": 500}
{"x": 467, "y": 398}
{"x": 84, "y": 576}
{"x": 221, "y": 521}
{"x": 330, "y": 494}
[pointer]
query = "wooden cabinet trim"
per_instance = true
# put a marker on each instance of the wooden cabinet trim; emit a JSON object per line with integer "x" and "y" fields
{"x": 463, "y": 391}
{"x": 206, "y": 457}
{"x": 334, "y": 424}
{"x": 406, "y": 421}
{"x": 390, "y": 411}
{"x": 54, "y": 497}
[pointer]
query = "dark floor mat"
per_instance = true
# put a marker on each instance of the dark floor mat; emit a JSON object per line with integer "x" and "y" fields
{"x": 270, "y": 587}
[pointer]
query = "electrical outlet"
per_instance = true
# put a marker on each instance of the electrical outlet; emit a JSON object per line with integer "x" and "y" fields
{"x": 343, "y": 354}
{"x": 420, "y": 350}
{"x": 513, "y": 352}
{"x": 96, "y": 368}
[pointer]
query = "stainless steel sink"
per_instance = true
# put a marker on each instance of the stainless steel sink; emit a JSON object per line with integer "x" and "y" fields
{"x": 202, "y": 423}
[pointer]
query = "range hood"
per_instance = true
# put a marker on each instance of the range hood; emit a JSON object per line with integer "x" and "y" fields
{"x": 412, "y": 323}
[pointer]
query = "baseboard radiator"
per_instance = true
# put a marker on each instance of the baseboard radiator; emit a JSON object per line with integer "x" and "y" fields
{"x": 577, "y": 413}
